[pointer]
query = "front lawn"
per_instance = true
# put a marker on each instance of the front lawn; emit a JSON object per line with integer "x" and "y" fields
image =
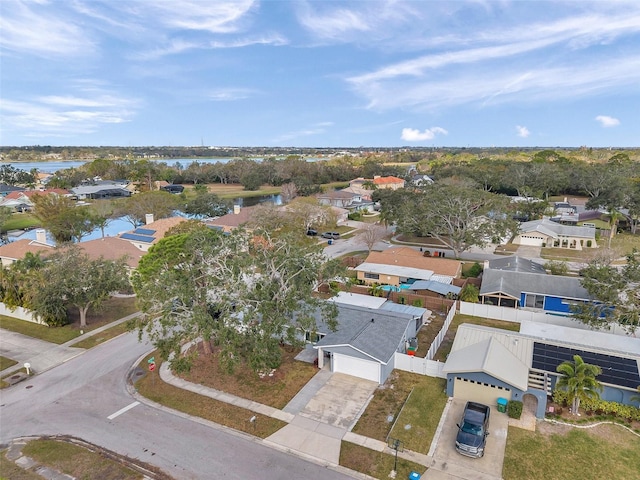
{"x": 6, "y": 363}
{"x": 375, "y": 464}
{"x": 276, "y": 390}
{"x": 422, "y": 410}
{"x": 565, "y": 453}
{"x": 20, "y": 221}
{"x": 114, "y": 309}
{"x": 420, "y": 415}
{"x": 443, "y": 352}
{"x": 151, "y": 386}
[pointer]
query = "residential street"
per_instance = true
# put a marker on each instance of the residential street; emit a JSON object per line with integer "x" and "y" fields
{"x": 86, "y": 397}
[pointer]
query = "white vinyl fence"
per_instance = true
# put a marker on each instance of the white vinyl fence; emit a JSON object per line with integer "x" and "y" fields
{"x": 422, "y": 366}
{"x": 20, "y": 313}
{"x": 517, "y": 315}
{"x": 435, "y": 345}
{"x": 426, "y": 366}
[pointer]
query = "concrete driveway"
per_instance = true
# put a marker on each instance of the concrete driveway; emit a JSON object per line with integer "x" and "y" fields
{"x": 449, "y": 464}
{"x": 318, "y": 427}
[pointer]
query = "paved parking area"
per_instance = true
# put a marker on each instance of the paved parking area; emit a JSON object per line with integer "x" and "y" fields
{"x": 317, "y": 430}
{"x": 449, "y": 464}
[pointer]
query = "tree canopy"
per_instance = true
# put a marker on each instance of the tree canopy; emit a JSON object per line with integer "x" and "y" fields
{"x": 243, "y": 293}
{"x": 615, "y": 294}
{"x": 63, "y": 218}
{"x": 459, "y": 216}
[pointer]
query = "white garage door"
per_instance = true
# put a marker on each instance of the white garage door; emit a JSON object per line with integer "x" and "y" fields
{"x": 531, "y": 241}
{"x": 479, "y": 392}
{"x": 356, "y": 367}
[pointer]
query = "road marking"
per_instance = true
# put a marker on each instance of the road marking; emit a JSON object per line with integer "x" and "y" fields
{"x": 122, "y": 410}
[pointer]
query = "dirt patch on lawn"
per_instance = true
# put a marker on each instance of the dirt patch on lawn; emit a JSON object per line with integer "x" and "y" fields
{"x": 275, "y": 388}
{"x": 611, "y": 433}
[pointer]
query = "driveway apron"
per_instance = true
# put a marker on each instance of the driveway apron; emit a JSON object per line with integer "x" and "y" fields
{"x": 319, "y": 426}
{"x": 449, "y": 464}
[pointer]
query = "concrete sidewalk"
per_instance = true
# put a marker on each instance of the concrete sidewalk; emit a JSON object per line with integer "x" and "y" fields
{"x": 311, "y": 432}
{"x": 43, "y": 355}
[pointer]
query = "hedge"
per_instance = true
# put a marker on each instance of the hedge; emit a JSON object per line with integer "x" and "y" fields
{"x": 514, "y": 409}
{"x": 601, "y": 407}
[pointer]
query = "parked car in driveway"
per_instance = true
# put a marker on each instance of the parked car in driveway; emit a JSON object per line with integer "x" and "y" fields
{"x": 473, "y": 430}
{"x": 312, "y": 233}
{"x": 331, "y": 235}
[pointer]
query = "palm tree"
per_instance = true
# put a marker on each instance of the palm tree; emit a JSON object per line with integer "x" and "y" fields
{"x": 579, "y": 381}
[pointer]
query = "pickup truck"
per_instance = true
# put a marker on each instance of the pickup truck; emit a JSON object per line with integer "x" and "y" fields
{"x": 473, "y": 430}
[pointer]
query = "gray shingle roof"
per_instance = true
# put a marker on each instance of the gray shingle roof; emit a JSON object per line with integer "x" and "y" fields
{"x": 514, "y": 283}
{"x": 557, "y": 230}
{"x": 357, "y": 335}
{"x": 516, "y": 264}
{"x": 434, "y": 286}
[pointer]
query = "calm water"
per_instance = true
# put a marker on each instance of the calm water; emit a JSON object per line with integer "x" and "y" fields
{"x": 52, "y": 167}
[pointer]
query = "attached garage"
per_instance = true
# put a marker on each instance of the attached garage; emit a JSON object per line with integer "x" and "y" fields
{"x": 484, "y": 371}
{"x": 357, "y": 367}
{"x": 477, "y": 391}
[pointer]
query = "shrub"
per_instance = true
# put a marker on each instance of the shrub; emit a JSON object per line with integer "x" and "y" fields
{"x": 589, "y": 243}
{"x": 514, "y": 409}
{"x": 557, "y": 267}
{"x": 417, "y": 303}
{"x": 475, "y": 270}
{"x": 469, "y": 293}
{"x": 354, "y": 216}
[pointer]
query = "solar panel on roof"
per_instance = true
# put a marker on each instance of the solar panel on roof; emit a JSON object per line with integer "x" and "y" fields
{"x": 144, "y": 231}
{"x": 137, "y": 238}
{"x": 615, "y": 370}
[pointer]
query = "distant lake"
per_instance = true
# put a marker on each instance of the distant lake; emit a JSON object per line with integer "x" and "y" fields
{"x": 52, "y": 167}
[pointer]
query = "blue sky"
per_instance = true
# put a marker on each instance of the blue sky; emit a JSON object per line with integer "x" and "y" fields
{"x": 320, "y": 73}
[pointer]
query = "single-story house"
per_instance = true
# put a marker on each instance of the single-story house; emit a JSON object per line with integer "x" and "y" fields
{"x": 518, "y": 289}
{"x": 344, "y": 199}
{"x": 589, "y": 218}
{"x": 238, "y": 217}
{"x": 365, "y": 342}
{"x": 379, "y": 303}
{"x": 403, "y": 265}
{"x": 421, "y": 180}
{"x": 546, "y": 233}
{"x": 379, "y": 182}
{"x": 101, "y": 191}
{"x": 22, "y": 200}
{"x": 14, "y": 251}
{"x": 489, "y": 363}
{"x": 173, "y": 188}
{"x": 151, "y": 233}
{"x": 7, "y": 189}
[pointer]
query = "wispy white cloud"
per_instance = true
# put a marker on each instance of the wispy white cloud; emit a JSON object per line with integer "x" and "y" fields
{"x": 67, "y": 115}
{"x": 414, "y": 135}
{"x": 229, "y": 94}
{"x": 607, "y": 121}
{"x": 523, "y": 132}
{"x": 36, "y": 29}
{"x": 316, "y": 129}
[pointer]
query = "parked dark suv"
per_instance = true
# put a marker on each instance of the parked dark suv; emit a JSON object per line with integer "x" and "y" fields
{"x": 473, "y": 430}
{"x": 331, "y": 235}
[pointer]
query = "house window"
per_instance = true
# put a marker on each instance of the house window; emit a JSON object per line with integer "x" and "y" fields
{"x": 535, "y": 301}
{"x": 313, "y": 337}
{"x": 372, "y": 276}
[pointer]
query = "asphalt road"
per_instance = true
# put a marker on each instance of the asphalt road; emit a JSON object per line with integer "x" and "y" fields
{"x": 86, "y": 397}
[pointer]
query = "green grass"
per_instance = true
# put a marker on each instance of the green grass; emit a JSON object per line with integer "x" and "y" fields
{"x": 6, "y": 363}
{"x": 77, "y": 461}
{"x": 375, "y": 464}
{"x": 576, "y": 454}
{"x": 103, "y": 336}
{"x": 421, "y": 412}
{"x": 152, "y": 387}
{"x": 20, "y": 221}
{"x": 623, "y": 242}
{"x": 447, "y": 343}
{"x": 10, "y": 471}
{"x": 50, "y": 334}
